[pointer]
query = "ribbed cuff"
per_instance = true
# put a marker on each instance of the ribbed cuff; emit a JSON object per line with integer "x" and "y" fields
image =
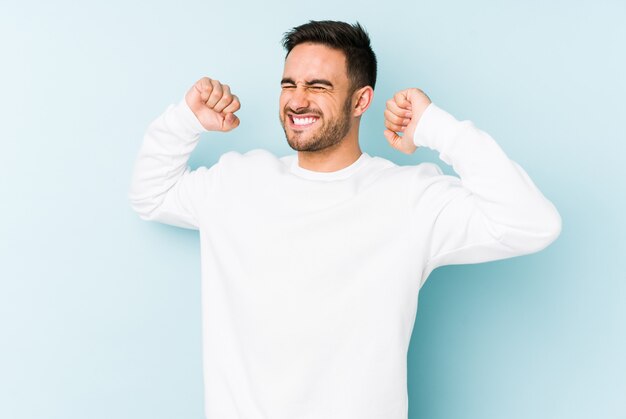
{"x": 434, "y": 126}
{"x": 182, "y": 119}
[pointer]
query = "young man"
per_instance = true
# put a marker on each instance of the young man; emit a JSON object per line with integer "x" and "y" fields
{"x": 312, "y": 263}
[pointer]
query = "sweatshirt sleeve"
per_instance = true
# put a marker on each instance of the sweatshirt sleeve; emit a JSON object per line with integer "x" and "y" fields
{"x": 163, "y": 187}
{"x": 491, "y": 211}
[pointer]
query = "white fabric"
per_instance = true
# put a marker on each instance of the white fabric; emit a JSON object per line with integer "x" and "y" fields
{"x": 310, "y": 279}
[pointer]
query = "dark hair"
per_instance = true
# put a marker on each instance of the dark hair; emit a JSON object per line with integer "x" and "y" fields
{"x": 352, "y": 40}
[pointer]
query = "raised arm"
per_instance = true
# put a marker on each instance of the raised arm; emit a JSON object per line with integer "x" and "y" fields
{"x": 491, "y": 211}
{"x": 163, "y": 188}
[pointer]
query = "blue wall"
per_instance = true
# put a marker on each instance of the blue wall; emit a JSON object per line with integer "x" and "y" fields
{"x": 100, "y": 311}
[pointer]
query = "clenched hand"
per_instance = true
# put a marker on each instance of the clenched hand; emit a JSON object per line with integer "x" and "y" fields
{"x": 402, "y": 114}
{"x": 213, "y": 104}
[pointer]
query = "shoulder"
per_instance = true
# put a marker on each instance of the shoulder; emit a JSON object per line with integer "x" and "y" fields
{"x": 391, "y": 169}
{"x": 249, "y": 158}
{"x": 259, "y": 162}
{"x": 252, "y": 155}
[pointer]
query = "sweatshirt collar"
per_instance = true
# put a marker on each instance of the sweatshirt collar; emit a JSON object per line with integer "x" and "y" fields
{"x": 328, "y": 176}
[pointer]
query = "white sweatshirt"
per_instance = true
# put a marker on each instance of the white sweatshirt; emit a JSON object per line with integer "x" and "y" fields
{"x": 310, "y": 280}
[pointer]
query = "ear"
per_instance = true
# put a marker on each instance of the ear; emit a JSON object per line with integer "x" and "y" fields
{"x": 362, "y": 99}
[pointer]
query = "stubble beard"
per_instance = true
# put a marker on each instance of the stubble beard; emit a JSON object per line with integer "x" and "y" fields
{"x": 330, "y": 134}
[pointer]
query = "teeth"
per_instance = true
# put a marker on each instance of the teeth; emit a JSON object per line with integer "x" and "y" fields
{"x": 303, "y": 121}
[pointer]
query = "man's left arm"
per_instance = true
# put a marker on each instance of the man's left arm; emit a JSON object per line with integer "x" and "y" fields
{"x": 493, "y": 209}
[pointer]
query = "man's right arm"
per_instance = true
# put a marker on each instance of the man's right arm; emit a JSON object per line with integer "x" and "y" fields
{"x": 163, "y": 188}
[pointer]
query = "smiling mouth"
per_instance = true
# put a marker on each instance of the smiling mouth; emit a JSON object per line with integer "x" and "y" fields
{"x": 302, "y": 121}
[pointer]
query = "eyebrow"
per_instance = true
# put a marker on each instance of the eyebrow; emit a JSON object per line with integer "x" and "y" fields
{"x": 324, "y": 82}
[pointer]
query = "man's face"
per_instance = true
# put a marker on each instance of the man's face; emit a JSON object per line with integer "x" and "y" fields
{"x": 315, "y": 101}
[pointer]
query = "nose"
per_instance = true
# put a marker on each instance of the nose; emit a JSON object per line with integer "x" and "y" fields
{"x": 298, "y": 99}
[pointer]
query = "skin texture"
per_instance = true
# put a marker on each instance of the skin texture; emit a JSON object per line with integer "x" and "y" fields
{"x": 315, "y": 85}
{"x": 213, "y": 105}
{"x": 402, "y": 114}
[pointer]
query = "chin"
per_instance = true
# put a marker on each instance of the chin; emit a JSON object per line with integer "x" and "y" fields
{"x": 311, "y": 145}
{"x": 299, "y": 142}
{"x": 299, "y": 145}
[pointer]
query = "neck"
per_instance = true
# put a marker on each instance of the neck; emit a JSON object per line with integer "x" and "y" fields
{"x": 333, "y": 158}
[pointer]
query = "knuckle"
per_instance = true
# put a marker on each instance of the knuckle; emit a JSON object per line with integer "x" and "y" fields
{"x": 203, "y": 84}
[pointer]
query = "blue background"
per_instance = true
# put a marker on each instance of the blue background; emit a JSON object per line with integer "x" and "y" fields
{"x": 100, "y": 311}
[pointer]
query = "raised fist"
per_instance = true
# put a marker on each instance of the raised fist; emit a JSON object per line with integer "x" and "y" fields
{"x": 402, "y": 114}
{"x": 213, "y": 104}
